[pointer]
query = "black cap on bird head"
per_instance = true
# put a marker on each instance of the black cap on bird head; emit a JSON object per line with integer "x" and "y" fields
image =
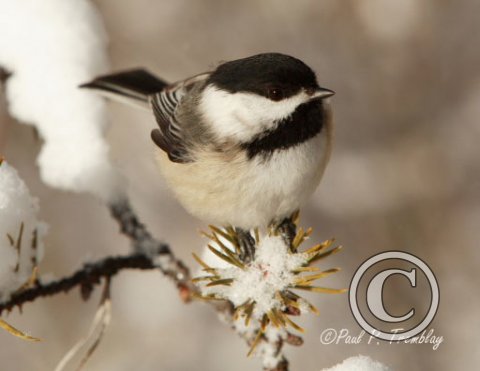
{"x": 273, "y": 75}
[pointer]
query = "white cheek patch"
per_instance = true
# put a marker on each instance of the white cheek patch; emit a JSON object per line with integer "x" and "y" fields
{"x": 241, "y": 115}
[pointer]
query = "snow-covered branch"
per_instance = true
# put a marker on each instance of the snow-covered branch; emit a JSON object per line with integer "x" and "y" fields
{"x": 50, "y": 47}
{"x": 149, "y": 253}
{"x": 21, "y": 248}
{"x": 21, "y": 232}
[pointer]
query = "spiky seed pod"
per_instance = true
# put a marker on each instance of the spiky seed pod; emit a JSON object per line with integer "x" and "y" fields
{"x": 264, "y": 291}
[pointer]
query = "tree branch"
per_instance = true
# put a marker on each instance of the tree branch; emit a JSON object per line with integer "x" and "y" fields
{"x": 86, "y": 278}
{"x": 175, "y": 269}
{"x": 148, "y": 253}
{"x": 160, "y": 253}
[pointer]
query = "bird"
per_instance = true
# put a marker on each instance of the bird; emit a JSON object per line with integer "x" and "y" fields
{"x": 243, "y": 145}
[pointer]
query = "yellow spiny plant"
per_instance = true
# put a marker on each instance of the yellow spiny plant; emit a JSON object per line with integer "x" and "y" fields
{"x": 263, "y": 289}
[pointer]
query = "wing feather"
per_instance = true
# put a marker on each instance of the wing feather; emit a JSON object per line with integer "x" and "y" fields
{"x": 170, "y": 135}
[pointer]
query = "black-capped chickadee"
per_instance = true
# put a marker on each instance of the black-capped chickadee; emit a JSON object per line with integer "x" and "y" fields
{"x": 244, "y": 145}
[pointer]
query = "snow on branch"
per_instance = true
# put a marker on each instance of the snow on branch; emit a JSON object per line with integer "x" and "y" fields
{"x": 261, "y": 288}
{"x": 359, "y": 363}
{"x": 254, "y": 297}
{"x": 21, "y": 232}
{"x": 50, "y": 47}
{"x": 148, "y": 253}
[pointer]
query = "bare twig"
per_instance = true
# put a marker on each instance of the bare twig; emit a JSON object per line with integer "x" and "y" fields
{"x": 86, "y": 278}
{"x": 160, "y": 253}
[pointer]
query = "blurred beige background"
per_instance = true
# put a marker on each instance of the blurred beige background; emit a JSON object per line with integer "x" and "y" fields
{"x": 404, "y": 175}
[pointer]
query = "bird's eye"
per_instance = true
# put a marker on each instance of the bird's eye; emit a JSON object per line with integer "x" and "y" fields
{"x": 275, "y": 94}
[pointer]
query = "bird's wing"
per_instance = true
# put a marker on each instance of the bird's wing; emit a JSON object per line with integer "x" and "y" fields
{"x": 170, "y": 136}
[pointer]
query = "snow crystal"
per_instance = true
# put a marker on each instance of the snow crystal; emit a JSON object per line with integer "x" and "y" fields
{"x": 17, "y": 207}
{"x": 359, "y": 363}
{"x": 269, "y": 272}
{"x": 51, "y": 47}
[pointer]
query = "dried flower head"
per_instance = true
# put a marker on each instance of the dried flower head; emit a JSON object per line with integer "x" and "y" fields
{"x": 265, "y": 289}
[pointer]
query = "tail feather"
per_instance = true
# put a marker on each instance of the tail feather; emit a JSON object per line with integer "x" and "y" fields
{"x": 133, "y": 86}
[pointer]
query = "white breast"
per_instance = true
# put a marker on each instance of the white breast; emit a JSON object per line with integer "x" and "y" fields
{"x": 248, "y": 193}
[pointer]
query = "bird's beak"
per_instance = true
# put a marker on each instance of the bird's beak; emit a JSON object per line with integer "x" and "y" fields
{"x": 321, "y": 93}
